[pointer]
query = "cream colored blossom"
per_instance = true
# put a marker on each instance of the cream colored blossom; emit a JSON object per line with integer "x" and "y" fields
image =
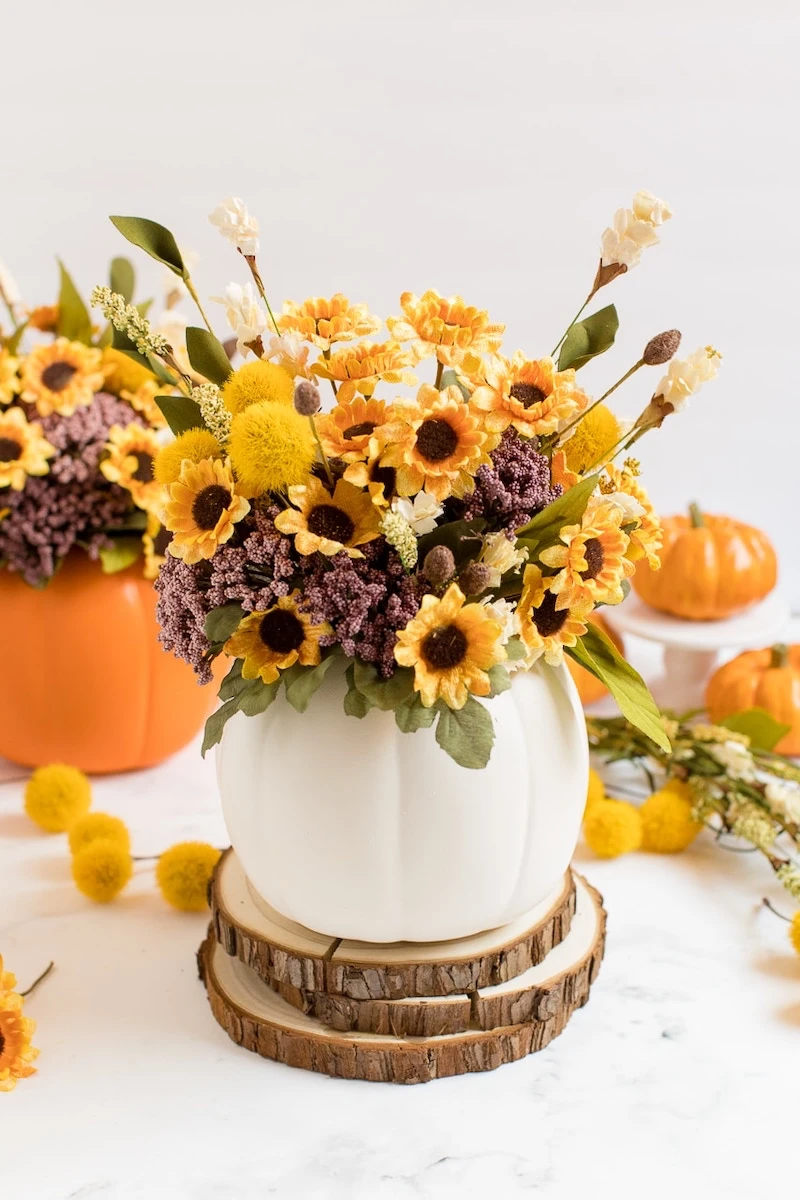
{"x": 633, "y": 230}
{"x": 735, "y": 758}
{"x": 784, "y": 798}
{"x": 289, "y": 352}
{"x": 421, "y": 513}
{"x": 647, "y": 207}
{"x": 244, "y": 314}
{"x": 686, "y": 375}
{"x": 9, "y": 290}
{"x": 500, "y": 555}
{"x": 505, "y": 614}
{"x": 236, "y": 225}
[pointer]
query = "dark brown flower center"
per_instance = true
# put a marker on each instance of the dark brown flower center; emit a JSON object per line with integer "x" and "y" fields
{"x": 281, "y": 631}
{"x": 593, "y": 553}
{"x": 209, "y": 505}
{"x": 56, "y": 377}
{"x": 10, "y": 449}
{"x": 360, "y": 430}
{"x": 444, "y": 647}
{"x": 547, "y": 618}
{"x": 385, "y": 475}
{"x": 527, "y": 394}
{"x": 328, "y": 521}
{"x": 2, "y": 1044}
{"x": 161, "y": 541}
{"x": 436, "y": 439}
{"x": 144, "y": 467}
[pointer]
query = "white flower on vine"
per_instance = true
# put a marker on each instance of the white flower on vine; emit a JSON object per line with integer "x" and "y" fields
{"x": 633, "y": 230}
{"x": 784, "y": 799}
{"x": 735, "y": 758}
{"x": 500, "y": 554}
{"x": 686, "y": 375}
{"x": 236, "y": 225}
{"x": 244, "y": 313}
{"x": 290, "y": 353}
{"x": 421, "y": 512}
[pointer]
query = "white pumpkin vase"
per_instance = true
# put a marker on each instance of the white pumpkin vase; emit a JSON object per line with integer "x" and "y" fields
{"x": 359, "y": 831}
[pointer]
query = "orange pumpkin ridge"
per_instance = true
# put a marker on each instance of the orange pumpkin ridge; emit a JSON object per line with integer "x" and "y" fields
{"x": 768, "y": 679}
{"x": 88, "y": 683}
{"x": 711, "y": 568}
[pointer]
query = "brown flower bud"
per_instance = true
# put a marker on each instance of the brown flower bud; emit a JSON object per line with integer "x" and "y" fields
{"x": 439, "y": 565}
{"x": 306, "y": 397}
{"x": 661, "y": 348}
{"x": 474, "y": 579}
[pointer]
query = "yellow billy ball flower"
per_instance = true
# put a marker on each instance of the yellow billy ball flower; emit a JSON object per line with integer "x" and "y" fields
{"x": 667, "y": 824}
{"x": 194, "y": 444}
{"x": 102, "y": 869}
{"x": 612, "y": 827}
{"x": 593, "y": 437}
{"x": 56, "y": 796}
{"x": 256, "y": 382}
{"x": 596, "y": 789}
{"x": 95, "y": 826}
{"x": 271, "y": 448}
{"x": 794, "y": 931}
{"x": 183, "y": 874}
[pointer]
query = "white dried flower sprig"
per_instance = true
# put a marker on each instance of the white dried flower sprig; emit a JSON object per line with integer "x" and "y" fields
{"x": 214, "y": 413}
{"x": 685, "y": 376}
{"x": 633, "y": 230}
{"x": 128, "y": 320}
{"x": 236, "y": 225}
{"x": 421, "y": 513}
{"x": 789, "y": 875}
{"x": 244, "y": 314}
{"x": 399, "y": 534}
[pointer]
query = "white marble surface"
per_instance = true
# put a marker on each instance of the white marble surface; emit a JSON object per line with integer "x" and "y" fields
{"x": 679, "y": 1075}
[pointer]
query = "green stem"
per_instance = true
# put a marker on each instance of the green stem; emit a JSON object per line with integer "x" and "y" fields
{"x": 250, "y": 259}
{"x": 30, "y": 990}
{"x": 323, "y": 455}
{"x": 191, "y": 289}
{"x": 572, "y": 322}
{"x": 780, "y": 655}
{"x": 604, "y": 396}
{"x": 696, "y": 515}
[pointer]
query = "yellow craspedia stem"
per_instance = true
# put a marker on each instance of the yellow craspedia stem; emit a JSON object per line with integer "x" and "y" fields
{"x": 123, "y": 374}
{"x": 596, "y": 789}
{"x": 667, "y": 824}
{"x": 194, "y": 445}
{"x": 183, "y": 874}
{"x": 794, "y": 931}
{"x": 612, "y": 827}
{"x": 594, "y": 436}
{"x": 256, "y": 382}
{"x": 102, "y": 869}
{"x": 56, "y": 796}
{"x": 97, "y": 826}
{"x": 271, "y": 447}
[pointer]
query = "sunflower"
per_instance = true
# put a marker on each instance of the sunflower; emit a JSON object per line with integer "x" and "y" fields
{"x": 8, "y": 376}
{"x": 23, "y": 450}
{"x": 561, "y": 473}
{"x": 623, "y": 487}
{"x": 131, "y": 453}
{"x": 451, "y": 646}
{"x": 324, "y": 322}
{"x": 529, "y": 394}
{"x": 372, "y": 473}
{"x": 591, "y": 560}
{"x": 452, "y": 330}
{"x": 155, "y": 540}
{"x": 271, "y": 641}
{"x": 329, "y": 523}
{"x": 544, "y": 628}
{"x": 346, "y": 430}
{"x": 44, "y": 318}
{"x": 435, "y": 442}
{"x": 202, "y": 508}
{"x": 360, "y": 368}
{"x": 61, "y": 377}
{"x": 143, "y": 400}
{"x": 16, "y": 1031}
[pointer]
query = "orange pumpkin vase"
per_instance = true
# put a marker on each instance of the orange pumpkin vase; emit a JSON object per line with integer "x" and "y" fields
{"x": 768, "y": 679}
{"x": 711, "y": 568}
{"x": 590, "y": 689}
{"x": 86, "y": 681}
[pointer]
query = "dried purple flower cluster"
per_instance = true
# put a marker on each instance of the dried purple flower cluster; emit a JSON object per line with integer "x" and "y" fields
{"x": 74, "y": 502}
{"x": 514, "y": 488}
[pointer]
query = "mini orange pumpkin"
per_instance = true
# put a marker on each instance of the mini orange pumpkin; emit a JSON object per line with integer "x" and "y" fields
{"x": 590, "y": 689}
{"x": 86, "y": 681}
{"x": 768, "y": 679}
{"x": 711, "y": 568}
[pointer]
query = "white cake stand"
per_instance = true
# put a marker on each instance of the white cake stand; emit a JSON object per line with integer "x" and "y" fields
{"x": 692, "y": 650}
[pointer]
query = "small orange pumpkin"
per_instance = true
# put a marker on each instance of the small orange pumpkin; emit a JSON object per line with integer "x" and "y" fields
{"x": 590, "y": 689}
{"x": 86, "y": 681}
{"x": 768, "y": 679}
{"x": 711, "y": 568}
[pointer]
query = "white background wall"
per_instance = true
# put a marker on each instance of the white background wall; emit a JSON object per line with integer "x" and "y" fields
{"x": 474, "y": 147}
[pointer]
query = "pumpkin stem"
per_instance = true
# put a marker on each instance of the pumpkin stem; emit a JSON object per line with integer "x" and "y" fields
{"x": 696, "y": 515}
{"x": 780, "y": 655}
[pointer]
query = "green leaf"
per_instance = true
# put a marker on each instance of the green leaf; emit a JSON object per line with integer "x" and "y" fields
{"x": 74, "y": 321}
{"x": 462, "y": 537}
{"x": 356, "y": 703}
{"x": 207, "y": 355}
{"x": 599, "y": 655}
{"x": 12, "y": 343}
{"x": 181, "y": 412}
{"x": 233, "y": 683}
{"x": 256, "y": 697}
{"x": 515, "y": 649}
{"x": 450, "y": 379}
{"x": 499, "y": 679}
{"x": 545, "y": 528}
{"x": 123, "y": 278}
{"x": 757, "y": 724}
{"x": 121, "y": 554}
{"x": 121, "y": 341}
{"x": 466, "y": 734}
{"x": 588, "y": 338}
{"x": 384, "y": 694}
{"x": 222, "y": 621}
{"x": 305, "y": 682}
{"x": 412, "y": 715}
{"x": 216, "y": 723}
{"x": 154, "y": 239}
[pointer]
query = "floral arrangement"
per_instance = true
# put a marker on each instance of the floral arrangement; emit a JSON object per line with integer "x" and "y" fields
{"x": 16, "y": 1031}
{"x": 434, "y": 538}
{"x": 79, "y": 432}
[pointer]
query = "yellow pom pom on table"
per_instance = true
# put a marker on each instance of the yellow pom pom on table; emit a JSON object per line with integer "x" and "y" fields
{"x": 183, "y": 874}
{"x": 256, "y": 382}
{"x": 667, "y": 823}
{"x": 596, "y": 789}
{"x": 95, "y": 826}
{"x": 56, "y": 796}
{"x": 612, "y": 827}
{"x": 102, "y": 869}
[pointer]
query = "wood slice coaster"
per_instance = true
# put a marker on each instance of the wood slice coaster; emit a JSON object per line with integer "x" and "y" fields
{"x": 302, "y": 962}
{"x": 255, "y": 1016}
